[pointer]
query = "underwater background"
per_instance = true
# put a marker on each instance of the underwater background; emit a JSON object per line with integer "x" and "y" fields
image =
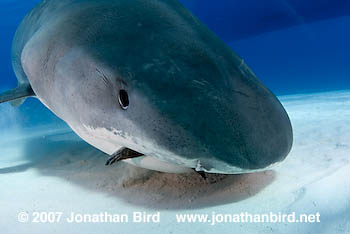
{"x": 293, "y": 46}
{"x": 300, "y": 49}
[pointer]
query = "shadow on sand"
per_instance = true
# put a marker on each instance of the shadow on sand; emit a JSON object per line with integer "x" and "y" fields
{"x": 68, "y": 157}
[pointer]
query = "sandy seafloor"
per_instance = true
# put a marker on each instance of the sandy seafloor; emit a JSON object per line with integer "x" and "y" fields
{"x": 53, "y": 170}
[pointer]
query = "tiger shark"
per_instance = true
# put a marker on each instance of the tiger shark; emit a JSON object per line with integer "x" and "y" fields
{"x": 147, "y": 83}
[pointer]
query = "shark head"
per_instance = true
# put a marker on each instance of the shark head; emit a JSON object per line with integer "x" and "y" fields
{"x": 215, "y": 115}
{"x": 167, "y": 89}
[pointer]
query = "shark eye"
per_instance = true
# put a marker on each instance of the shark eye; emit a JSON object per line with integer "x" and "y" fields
{"x": 123, "y": 99}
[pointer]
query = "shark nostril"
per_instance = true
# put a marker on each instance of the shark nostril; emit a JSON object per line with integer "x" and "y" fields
{"x": 123, "y": 99}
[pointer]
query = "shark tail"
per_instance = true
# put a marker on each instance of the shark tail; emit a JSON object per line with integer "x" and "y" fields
{"x": 17, "y": 95}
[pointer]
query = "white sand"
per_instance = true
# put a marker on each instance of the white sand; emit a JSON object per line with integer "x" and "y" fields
{"x": 56, "y": 171}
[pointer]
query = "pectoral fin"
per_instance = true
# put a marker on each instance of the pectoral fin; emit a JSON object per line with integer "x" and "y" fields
{"x": 18, "y": 95}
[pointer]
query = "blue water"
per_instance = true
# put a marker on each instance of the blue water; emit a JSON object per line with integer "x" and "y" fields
{"x": 294, "y": 46}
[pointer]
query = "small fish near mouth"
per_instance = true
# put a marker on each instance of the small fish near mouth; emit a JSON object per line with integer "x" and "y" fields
{"x": 126, "y": 153}
{"x": 123, "y": 154}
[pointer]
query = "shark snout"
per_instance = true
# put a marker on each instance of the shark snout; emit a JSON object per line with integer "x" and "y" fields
{"x": 245, "y": 129}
